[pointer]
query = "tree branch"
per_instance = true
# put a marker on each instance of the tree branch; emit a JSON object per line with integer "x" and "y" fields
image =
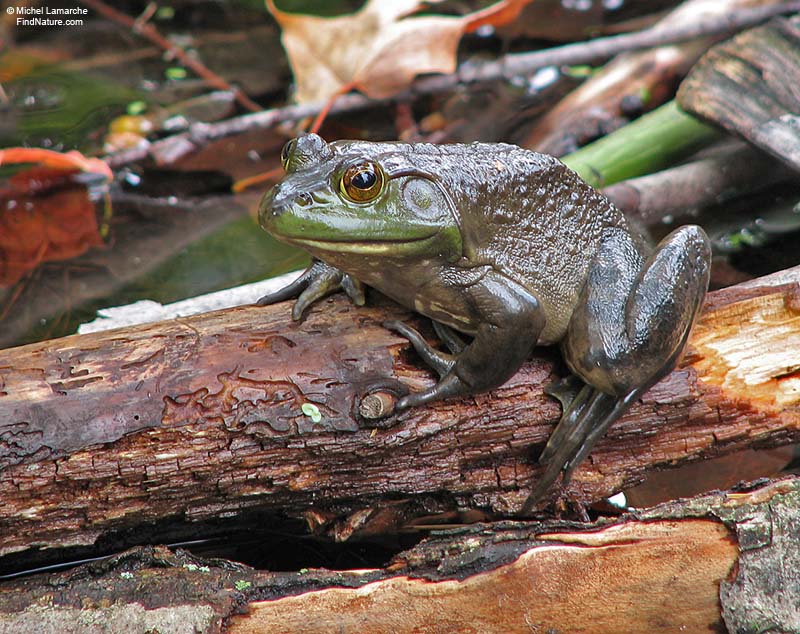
{"x": 202, "y": 416}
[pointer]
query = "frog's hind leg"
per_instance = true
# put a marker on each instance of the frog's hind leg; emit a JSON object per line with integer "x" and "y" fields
{"x": 631, "y": 324}
{"x": 634, "y": 314}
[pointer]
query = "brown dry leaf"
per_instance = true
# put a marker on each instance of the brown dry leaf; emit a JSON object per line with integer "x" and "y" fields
{"x": 380, "y": 48}
{"x": 47, "y": 217}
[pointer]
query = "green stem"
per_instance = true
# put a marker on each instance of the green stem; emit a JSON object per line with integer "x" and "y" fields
{"x": 652, "y": 142}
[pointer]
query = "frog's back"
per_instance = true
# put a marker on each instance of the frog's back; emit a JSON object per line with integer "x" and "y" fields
{"x": 530, "y": 217}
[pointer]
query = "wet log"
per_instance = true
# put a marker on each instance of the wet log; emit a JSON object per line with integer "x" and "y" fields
{"x": 241, "y": 409}
{"x": 721, "y": 562}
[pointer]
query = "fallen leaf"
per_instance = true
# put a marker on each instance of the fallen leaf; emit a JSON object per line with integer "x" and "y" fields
{"x": 380, "y": 48}
{"x": 46, "y": 214}
{"x": 44, "y": 227}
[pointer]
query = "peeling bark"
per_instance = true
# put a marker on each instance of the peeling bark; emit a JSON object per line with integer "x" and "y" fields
{"x": 659, "y": 570}
{"x": 202, "y": 417}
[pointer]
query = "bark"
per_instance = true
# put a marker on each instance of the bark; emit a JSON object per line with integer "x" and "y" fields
{"x": 747, "y": 86}
{"x": 203, "y": 417}
{"x": 721, "y": 561}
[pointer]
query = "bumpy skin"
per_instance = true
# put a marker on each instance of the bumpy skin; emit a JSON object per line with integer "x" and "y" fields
{"x": 508, "y": 246}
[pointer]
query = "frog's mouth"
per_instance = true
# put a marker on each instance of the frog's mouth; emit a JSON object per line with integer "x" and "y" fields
{"x": 399, "y": 246}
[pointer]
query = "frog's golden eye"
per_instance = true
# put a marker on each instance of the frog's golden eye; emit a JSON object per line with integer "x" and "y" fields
{"x": 362, "y": 182}
{"x": 286, "y": 152}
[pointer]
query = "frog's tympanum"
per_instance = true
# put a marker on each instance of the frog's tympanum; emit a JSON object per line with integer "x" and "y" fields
{"x": 504, "y": 245}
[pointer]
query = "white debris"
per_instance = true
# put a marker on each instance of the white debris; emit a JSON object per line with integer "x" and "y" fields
{"x": 146, "y": 311}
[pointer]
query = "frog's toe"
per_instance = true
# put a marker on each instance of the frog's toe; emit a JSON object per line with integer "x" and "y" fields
{"x": 605, "y": 411}
{"x": 287, "y": 292}
{"x": 571, "y": 425}
{"x": 354, "y": 289}
{"x": 564, "y": 389}
{"x": 450, "y": 385}
{"x": 442, "y": 363}
{"x": 455, "y": 344}
{"x": 317, "y": 281}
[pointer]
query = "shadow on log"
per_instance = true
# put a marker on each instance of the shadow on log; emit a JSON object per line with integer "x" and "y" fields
{"x": 203, "y": 417}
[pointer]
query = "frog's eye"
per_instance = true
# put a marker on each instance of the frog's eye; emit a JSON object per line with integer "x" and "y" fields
{"x": 362, "y": 182}
{"x": 286, "y": 152}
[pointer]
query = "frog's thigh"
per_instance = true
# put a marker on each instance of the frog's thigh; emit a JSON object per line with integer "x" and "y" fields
{"x": 635, "y": 314}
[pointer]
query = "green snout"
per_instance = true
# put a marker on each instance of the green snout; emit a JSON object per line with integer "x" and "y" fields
{"x": 323, "y": 224}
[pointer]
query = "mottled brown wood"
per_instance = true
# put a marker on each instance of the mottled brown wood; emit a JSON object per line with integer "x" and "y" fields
{"x": 595, "y": 583}
{"x": 748, "y": 85}
{"x": 681, "y": 567}
{"x": 202, "y": 416}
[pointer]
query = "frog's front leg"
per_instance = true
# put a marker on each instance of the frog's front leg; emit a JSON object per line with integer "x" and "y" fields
{"x": 317, "y": 281}
{"x": 627, "y": 332}
{"x": 509, "y": 320}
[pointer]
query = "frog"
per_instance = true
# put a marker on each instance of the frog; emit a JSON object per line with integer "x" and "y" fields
{"x": 504, "y": 249}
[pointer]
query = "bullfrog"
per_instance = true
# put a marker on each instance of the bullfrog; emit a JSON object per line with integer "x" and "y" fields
{"x": 504, "y": 249}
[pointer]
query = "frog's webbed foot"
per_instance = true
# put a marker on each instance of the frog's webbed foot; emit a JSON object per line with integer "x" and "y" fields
{"x": 317, "y": 281}
{"x": 586, "y": 418}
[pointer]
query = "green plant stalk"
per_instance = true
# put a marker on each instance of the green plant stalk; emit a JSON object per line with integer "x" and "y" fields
{"x": 652, "y": 142}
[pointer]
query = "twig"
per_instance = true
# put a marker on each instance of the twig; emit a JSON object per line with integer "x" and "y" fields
{"x": 173, "y": 148}
{"x": 142, "y": 27}
{"x": 583, "y": 52}
{"x": 317, "y": 123}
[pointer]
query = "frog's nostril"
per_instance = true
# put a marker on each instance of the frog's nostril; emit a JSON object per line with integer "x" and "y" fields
{"x": 276, "y": 201}
{"x": 304, "y": 200}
